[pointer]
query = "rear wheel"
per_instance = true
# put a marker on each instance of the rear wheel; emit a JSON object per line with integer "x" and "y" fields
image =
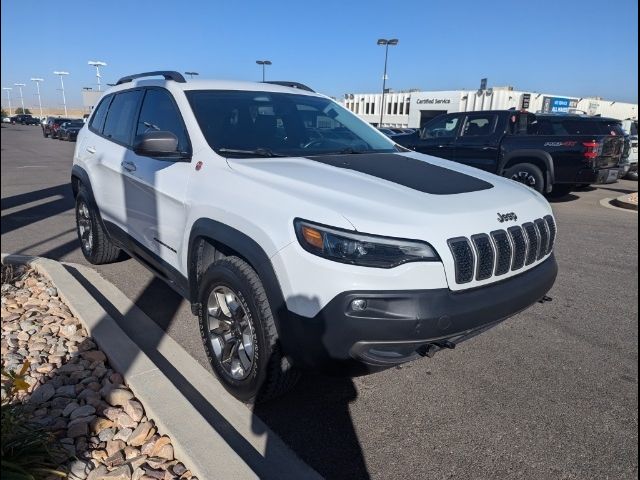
{"x": 527, "y": 174}
{"x": 239, "y": 334}
{"x": 96, "y": 246}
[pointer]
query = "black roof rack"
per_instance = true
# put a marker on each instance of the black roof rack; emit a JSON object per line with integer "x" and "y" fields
{"x": 285, "y": 83}
{"x": 167, "y": 74}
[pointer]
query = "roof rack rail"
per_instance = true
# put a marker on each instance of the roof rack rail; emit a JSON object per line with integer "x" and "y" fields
{"x": 285, "y": 83}
{"x": 167, "y": 74}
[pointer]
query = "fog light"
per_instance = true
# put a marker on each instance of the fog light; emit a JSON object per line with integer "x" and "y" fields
{"x": 358, "y": 305}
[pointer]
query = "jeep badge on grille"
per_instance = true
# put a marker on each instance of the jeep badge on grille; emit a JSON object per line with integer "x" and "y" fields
{"x": 507, "y": 217}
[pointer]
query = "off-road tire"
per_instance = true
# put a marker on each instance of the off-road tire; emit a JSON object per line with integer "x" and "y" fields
{"x": 271, "y": 374}
{"x": 103, "y": 250}
{"x": 532, "y": 173}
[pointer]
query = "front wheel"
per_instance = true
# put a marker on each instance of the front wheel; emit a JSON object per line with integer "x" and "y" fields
{"x": 239, "y": 333}
{"x": 527, "y": 174}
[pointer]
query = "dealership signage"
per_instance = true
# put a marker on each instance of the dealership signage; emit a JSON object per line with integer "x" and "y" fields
{"x": 526, "y": 101}
{"x": 558, "y": 104}
{"x": 433, "y": 101}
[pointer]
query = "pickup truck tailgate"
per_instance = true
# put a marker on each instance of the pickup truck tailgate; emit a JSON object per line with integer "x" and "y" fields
{"x": 610, "y": 151}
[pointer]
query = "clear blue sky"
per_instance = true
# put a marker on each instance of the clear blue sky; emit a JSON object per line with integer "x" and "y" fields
{"x": 579, "y": 48}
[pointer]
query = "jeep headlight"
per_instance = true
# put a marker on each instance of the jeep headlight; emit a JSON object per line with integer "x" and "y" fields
{"x": 361, "y": 249}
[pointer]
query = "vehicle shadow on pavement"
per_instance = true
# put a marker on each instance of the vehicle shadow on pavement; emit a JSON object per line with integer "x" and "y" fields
{"x": 52, "y": 201}
{"x": 570, "y": 197}
{"x": 314, "y": 421}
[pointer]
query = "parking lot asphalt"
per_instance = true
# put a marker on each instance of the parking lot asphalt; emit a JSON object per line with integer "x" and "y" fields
{"x": 550, "y": 393}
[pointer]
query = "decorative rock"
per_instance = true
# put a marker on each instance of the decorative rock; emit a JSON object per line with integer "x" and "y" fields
{"x": 68, "y": 330}
{"x": 43, "y": 393}
{"x": 80, "y": 468}
{"x": 140, "y": 434}
{"x": 106, "y": 434}
{"x": 98, "y": 473}
{"x": 154, "y": 473}
{"x": 94, "y": 356}
{"x": 160, "y": 443}
{"x": 83, "y": 411}
{"x": 118, "y": 397}
{"x": 112, "y": 413}
{"x": 134, "y": 409}
{"x": 100, "y": 424}
{"x": 125, "y": 421}
{"x": 138, "y": 474}
{"x": 99, "y": 454}
{"x": 121, "y": 473}
{"x": 178, "y": 469}
{"x": 123, "y": 434}
{"x": 66, "y": 391}
{"x": 115, "y": 460}
{"x": 79, "y": 429}
{"x": 114, "y": 445}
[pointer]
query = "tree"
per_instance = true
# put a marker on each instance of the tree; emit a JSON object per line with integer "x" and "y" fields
{"x": 3, "y": 113}
{"x": 20, "y": 112}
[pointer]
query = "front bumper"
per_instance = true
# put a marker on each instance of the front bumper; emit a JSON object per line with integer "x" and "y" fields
{"x": 397, "y": 325}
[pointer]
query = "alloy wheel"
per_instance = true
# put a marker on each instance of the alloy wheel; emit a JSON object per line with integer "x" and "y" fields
{"x": 525, "y": 178}
{"x": 84, "y": 227}
{"x": 231, "y": 333}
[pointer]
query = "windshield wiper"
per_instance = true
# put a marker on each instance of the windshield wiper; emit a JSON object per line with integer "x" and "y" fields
{"x": 258, "y": 152}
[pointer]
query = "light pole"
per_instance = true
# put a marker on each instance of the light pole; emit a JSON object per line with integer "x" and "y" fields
{"x": 8, "y": 90}
{"x": 191, "y": 74}
{"x": 264, "y": 64}
{"x": 64, "y": 100}
{"x": 38, "y": 80}
{"x": 97, "y": 64}
{"x": 386, "y": 42}
{"x": 20, "y": 85}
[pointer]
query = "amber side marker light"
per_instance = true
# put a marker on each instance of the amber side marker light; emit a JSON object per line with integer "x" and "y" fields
{"x": 313, "y": 237}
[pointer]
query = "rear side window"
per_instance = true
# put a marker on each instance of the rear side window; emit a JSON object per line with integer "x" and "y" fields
{"x": 122, "y": 116}
{"x": 97, "y": 121}
{"x": 159, "y": 113}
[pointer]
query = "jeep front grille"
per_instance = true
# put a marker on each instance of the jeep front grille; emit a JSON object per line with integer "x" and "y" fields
{"x": 484, "y": 256}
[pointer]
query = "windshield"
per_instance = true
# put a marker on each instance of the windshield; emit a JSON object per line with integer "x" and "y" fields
{"x": 244, "y": 123}
{"x": 76, "y": 124}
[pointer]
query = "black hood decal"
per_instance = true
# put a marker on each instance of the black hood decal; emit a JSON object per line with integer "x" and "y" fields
{"x": 409, "y": 172}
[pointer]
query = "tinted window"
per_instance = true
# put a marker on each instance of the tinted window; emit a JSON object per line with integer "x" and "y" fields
{"x": 97, "y": 121}
{"x": 285, "y": 124}
{"x": 445, "y": 127}
{"x": 479, "y": 125}
{"x": 159, "y": 113}
{"x": 576, "y": 127}
{"x": 122, "y": 116}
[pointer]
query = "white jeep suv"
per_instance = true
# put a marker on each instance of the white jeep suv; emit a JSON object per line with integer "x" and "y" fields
{"x": 302, "y": 236}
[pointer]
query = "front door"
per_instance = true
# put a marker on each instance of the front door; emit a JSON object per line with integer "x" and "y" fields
{"x": 156, "y": 187}
{"x": 478, "y": 142}
{"x": 438, "y": 136}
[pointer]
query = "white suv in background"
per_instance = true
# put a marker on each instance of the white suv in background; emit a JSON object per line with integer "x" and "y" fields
{"x": 301, "y": 235}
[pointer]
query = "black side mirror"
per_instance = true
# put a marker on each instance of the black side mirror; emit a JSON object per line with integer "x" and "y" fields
{"x": 161, "y": 144}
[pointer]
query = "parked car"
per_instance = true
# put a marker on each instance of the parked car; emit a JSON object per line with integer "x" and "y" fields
{"x": 549, "y": 153}
{"x": 52, "y": 125}
{"x": 25, "y": 119}
{"x": 387, "y": 131}
{"x": 6, "y": 119}
{"x": 631, "y": 128}
{"x": 69, "y": 130}
{"x": 345, "y": 253}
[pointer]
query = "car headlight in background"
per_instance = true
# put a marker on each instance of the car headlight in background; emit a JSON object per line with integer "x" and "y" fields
{"x": 361, "y": 249}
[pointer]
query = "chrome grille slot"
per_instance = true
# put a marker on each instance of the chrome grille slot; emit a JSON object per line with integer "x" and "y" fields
{"x": 485, "y": 256}
{"x": 533, "y": 242}
{"x": 519, "y": 247}
{"x": 544, "y": 237}
{"x": 552, "y": 232}
{"x": 504, "y": 251}
{"x": 463, "y": 258}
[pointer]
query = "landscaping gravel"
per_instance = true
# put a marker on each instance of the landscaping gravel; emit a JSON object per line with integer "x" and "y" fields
{"x": 73, "y": 391}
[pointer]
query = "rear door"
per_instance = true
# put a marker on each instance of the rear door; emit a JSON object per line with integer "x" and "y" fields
{"x": 438, "y": 136}
{"x": 478, "y": 142}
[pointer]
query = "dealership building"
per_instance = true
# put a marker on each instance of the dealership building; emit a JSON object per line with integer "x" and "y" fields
{"x": 413, "y": 109}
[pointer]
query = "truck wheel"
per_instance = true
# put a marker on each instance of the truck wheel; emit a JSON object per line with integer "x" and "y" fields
{"x": 527, "y": 174}
{"x": 239, "y": 333}
{"x": 96, "y": 246}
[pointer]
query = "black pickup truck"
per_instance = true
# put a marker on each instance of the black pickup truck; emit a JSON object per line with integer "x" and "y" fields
{"x": 549, "y": 152}
{"x": 25, "y": 119}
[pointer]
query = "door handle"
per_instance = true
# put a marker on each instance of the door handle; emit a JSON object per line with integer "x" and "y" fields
{"x": 128, "y": 166}
{"x": 91, "y": 150}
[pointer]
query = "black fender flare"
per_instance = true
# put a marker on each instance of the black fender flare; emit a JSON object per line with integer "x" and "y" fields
{"x": 541, "y": 155}
{"x": 247, "y": 248}
{"x": 79, "y": 173}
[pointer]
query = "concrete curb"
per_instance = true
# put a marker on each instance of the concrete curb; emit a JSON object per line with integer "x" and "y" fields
{"x": 621, "y": 202}
{"x": 215, "y": 435}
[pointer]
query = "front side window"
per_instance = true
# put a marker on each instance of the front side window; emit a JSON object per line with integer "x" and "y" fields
{"x": 121, "y": 116}
{"x": 479, "y": 125}
{"x": 159, "y": 113}
{"x": 281, "y": 124}
{"x": 445, "y": 127}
